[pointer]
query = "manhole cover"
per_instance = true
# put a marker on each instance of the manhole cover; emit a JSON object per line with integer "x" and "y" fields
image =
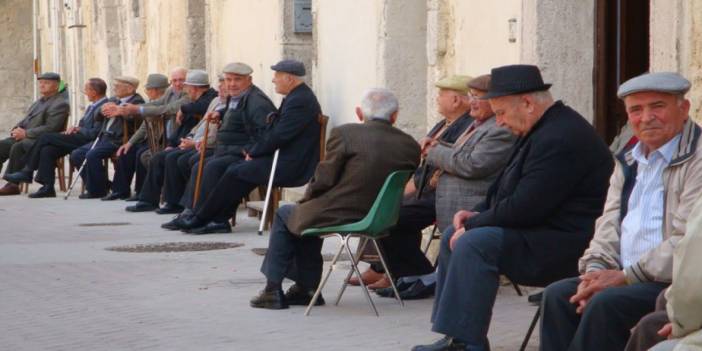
{"x": 108, "y": 224}
{"x": 175, "y": 247}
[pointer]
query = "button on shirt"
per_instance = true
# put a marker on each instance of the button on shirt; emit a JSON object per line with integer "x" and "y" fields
{"x": 642, "y": 227}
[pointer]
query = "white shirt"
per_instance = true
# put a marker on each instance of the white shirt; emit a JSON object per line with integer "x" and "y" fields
{"x": 642, "y": 227}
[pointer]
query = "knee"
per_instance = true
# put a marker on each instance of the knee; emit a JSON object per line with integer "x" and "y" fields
{"x": 604, "y": 301}
{"x": 284, "y": 211}
{"x": 561, "y": 290}
{"x": 480, "y": 241}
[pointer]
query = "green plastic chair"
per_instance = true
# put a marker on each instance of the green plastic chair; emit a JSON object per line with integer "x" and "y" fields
{"x": 382, "y": 216}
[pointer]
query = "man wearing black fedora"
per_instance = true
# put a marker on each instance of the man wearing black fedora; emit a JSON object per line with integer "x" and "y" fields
{"x": 537, "y": 217}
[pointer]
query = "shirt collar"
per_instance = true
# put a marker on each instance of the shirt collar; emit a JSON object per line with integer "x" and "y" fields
{"x": 124, "y": 100}
{"x": 666, "y": 151}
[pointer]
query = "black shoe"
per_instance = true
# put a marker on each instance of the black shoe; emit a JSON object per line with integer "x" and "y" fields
{"x": 299, "y": 296}
{"x": 141, "y": 206}
{"x": 132, "y": 198}
{"x": 211, "y": 227}
{"x": 169, "y": 209}
{"x": 89, "y": 196}
{"x": 401, "y": 285}
{"x": 272, "y": 300}
{"x": 446, "y": 343}
{"x": 19, "y": 177}
{"x": 114, "y": 196}
{"x": 44, "y": 191}
{"x": 175, "y": 223}
{"x": 418, "y": 291}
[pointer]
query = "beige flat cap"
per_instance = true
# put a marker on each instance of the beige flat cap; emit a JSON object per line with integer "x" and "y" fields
{"x": 129, "y": 80}
{"x": 457, "y": 83}
{"x": 238, "y": 68}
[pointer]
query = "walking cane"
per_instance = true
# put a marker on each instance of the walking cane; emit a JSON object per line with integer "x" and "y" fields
{"x": 201, "y": 163}
{"x": 268, "y": 192}
{"x": 82, "y": 165}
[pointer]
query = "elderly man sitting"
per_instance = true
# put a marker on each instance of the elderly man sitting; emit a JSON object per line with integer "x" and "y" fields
{"x": 359, "y": 157}
{"x": 538, "y": 215}
{"x": 629, "y": 261}
{"x": 47, "y": 114}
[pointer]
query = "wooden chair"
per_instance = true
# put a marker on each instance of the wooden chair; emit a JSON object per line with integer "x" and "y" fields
{"x": 256, "y": 207}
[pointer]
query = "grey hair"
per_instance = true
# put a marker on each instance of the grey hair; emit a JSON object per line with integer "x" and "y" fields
{"x": 378, "y": 103}
{"x": 542, "y": 96}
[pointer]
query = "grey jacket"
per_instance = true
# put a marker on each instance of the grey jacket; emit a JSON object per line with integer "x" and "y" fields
{"x": 46, "y": 115}
{"x": 167, "y": 105}
{"x": 469, "y": 169}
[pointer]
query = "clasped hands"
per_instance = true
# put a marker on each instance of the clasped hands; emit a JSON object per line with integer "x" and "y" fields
{"x": 18, "y": 133}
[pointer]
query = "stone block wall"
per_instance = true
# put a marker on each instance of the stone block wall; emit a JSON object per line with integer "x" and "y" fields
{"x": 16, "y": 73}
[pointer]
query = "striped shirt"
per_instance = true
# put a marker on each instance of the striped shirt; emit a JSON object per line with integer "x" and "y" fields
{"x": 642, "y": 227}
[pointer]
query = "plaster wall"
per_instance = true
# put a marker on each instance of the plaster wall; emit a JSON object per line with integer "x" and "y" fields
{"x": 16, "y": 73}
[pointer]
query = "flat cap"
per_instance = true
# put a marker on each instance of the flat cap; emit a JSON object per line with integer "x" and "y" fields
{"x": 238, "y": 68}
{"x": 456, "y": 82}
{"x": 197, "y": 77}
{"x": 129, "y": 80}
{"x": 664, "y": 82}
{"x": 156, "y": 81}
{"x": 49, "y": 76}
{"x": 293, "y": 67}
{"x": 481, "y": 83}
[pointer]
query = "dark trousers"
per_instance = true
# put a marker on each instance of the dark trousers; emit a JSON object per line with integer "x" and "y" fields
{"x": 212, "y": 173}
{"x": 178, "y": 165}
{"x": 127, "y": 165}
{"x": 402, "y": 248}
{"x": 94, "y": 173}
{"x": 292, "y": 256}
{"x": 604, "y": 325}
{"x": 467, "y": 283}
{"x": 151, "y": 190}
{"x": 49, "y": 148}
{"x": 645, "y": 334}
{"x": 15, "y": 151}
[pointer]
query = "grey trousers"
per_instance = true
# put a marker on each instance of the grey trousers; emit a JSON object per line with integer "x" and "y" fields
{"x": 645, "y": 335}
{"x": 15, "y": 152}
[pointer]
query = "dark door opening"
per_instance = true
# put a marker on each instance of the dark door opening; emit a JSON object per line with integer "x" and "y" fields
{"x": 621, "y": 52}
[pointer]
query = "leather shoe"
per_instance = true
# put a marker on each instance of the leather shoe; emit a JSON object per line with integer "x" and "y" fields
{"x": 89, "y": 196}
{"x": 19, "y": 177}
{"x": 369, "y": 277}
{"x": 169, "y": 209}
{"x": 114, "y": 196}
{"x": 401, "y": 285}
{"x": 132, "y": 198}
{"x": 272, "y": 300}
{"x": 141, "y": 206}
{"x": 45, "y": 191}
{"x": 176, "y": 223}
{"x": 10, "y": 189}
{"x": 211, "y": 227}
{"x": 299, "y": 296}
{"x": 446, "y": 343}
{"x": 418, "y": 291}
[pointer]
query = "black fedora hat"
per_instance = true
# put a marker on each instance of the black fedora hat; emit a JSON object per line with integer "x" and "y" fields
{"x": 515, "y": 79}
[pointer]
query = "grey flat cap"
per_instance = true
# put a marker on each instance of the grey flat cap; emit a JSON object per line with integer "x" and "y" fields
{"x": 238, "y": 68}
{"x": 129, "y": 80}
{"x": 49, "y": 76}
{"x": 220, "y": 77}
{"x": 197, "y": 77}
{"x": 290, "y": 66}
{"x": 156, "y": 81}
{"x": 664, "y": 82}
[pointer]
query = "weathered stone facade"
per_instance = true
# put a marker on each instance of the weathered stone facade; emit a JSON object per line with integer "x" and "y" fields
{"x": 16, "y": 90}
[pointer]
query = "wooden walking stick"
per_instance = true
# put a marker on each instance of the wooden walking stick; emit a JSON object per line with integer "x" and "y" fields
{"x": 201, "y": 164}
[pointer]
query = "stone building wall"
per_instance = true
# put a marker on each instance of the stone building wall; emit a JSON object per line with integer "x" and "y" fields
{"x": 16, "y": 90}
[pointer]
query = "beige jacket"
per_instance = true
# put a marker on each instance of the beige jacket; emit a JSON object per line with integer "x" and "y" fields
{"x": 682, "y": 181}
{"x": 685, "y": 294}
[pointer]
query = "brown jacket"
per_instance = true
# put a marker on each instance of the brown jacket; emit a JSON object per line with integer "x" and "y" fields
{"x": 358, "y": 159}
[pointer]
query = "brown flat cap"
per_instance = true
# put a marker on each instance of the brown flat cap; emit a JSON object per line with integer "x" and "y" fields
{"x": 481, "y": 83}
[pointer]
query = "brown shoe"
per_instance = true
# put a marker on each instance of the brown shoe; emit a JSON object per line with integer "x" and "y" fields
{"x": 380, "y": 284}
{"x": 369, "y": 277}
{"x": 10, "y": 189}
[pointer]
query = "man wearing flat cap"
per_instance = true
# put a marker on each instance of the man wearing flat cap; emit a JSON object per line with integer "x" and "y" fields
{"x": 418, "y": 206}
{"x": 197, "y": 86}
{"x": 47, "y": 114}
{"x": 51, "y": 146}
{"x": 243, "y": 121}
{"x": 164, "y": 107}
{"x": 536, "y": 218}
{"x": 295, "y": 131}
{"x": 630, "y": 259}
{"x": 113, "y": 133}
